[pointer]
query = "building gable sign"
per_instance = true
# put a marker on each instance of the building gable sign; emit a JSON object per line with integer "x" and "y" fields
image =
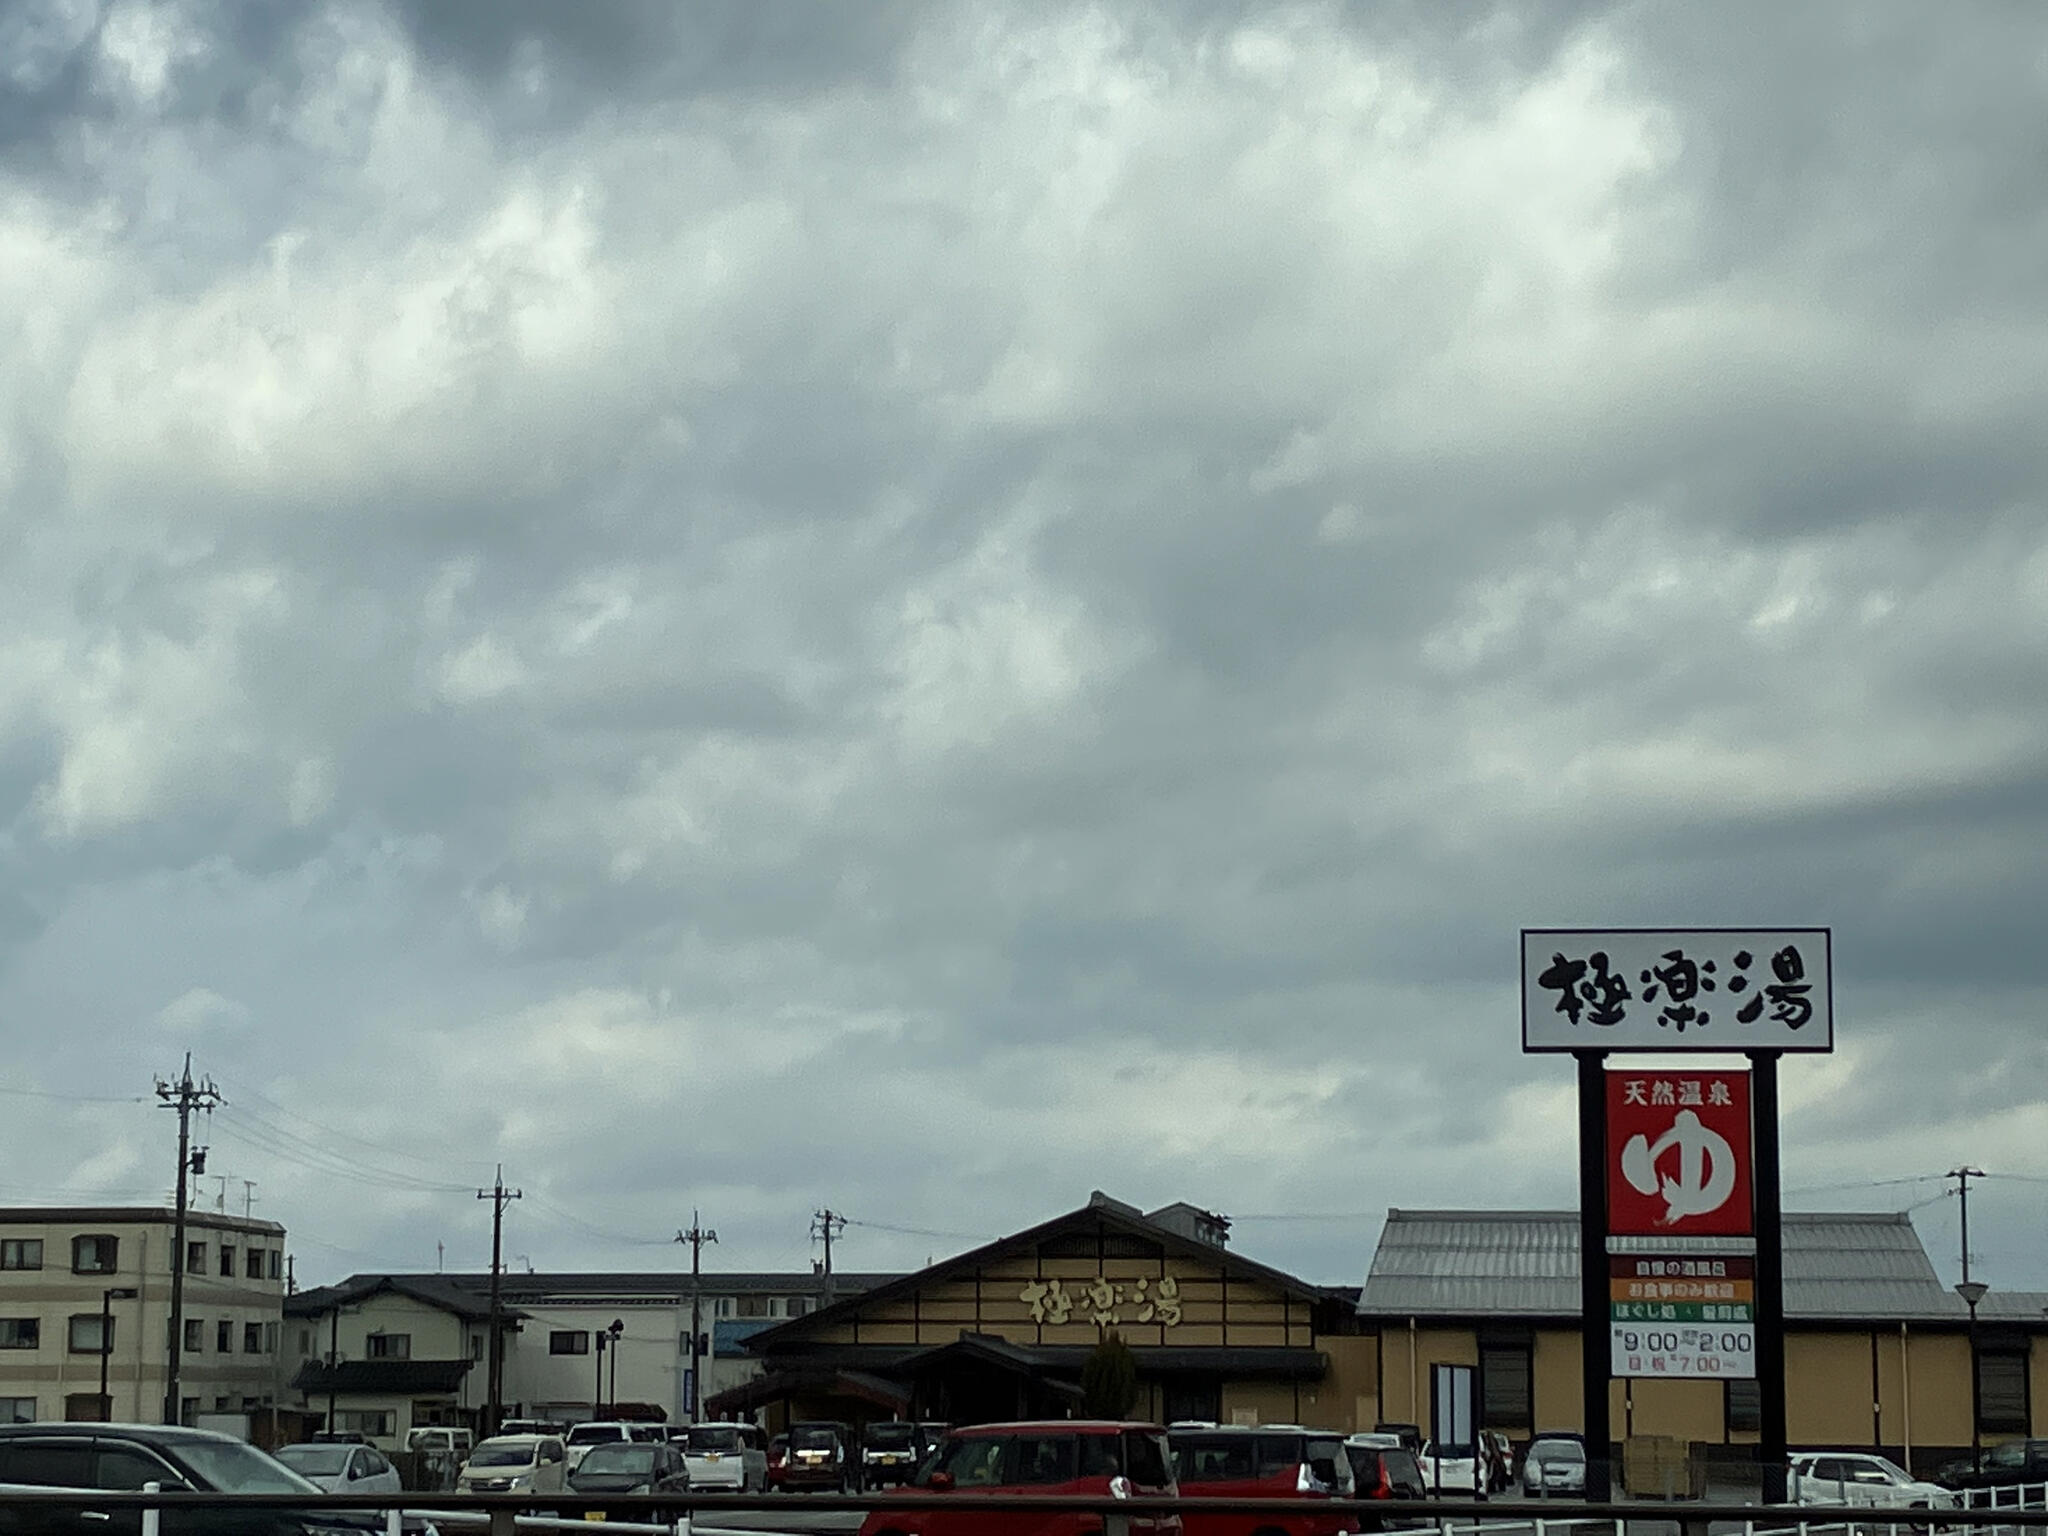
{"x": 1104, "y": 1302}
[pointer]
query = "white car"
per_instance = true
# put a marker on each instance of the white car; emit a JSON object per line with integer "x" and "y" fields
{"x": 514, "y": 1464}
{"x": 1456, "y": 1471}
{"x": 724, "y": 1455}
{"x": 1858, "y": 1478}
{"x": 341, "y": 1468}
{"x": 582, "y": 1437}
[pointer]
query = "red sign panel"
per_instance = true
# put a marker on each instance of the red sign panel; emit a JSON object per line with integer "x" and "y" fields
{"x": 1678, "y": 1151}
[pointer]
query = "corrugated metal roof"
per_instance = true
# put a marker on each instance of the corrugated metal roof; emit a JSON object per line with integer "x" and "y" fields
{"x": 1838, "y": 1265}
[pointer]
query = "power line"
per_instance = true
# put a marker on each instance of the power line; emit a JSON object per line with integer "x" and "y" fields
{"x": 883, "y": 1226}
{"x": 74, "y": 1098}
{"x": 242, "y": 1092}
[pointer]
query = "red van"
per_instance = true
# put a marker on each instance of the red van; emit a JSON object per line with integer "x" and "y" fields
{"x": 1263, "y": 1462}
{"x": 1065, "y": 1456}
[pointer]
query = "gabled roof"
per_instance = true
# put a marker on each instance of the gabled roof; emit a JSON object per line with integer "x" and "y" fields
{"x": 1101, "y": 1213}
{"x": 1841, "y": 1265}
{"x": 435, "y": 1290}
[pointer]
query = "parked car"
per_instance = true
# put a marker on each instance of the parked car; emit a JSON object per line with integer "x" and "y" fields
{"x": 582, "y": 1437}
{"x": 342, "y": 1468}
{"x": 724, "y": 1456}
{"x": 1859, "y": 1478}
{"x": 49, "y": 1456}
{"x": 634, "y": 1466}
{"x": 1554, "y": 1466}
{"x": 820, "y": 1455}
{"x": 555, "y": 1427}
{"x": 2002, "y": 1466}
{"x": 1070, "y": 1456}
{"x": 777, "y": 1469}
{"x": 442, "y": 1439}
{"x": 890, "y": 1452}
{"x": 1450, "y": 1468}
{"x": 1383, "y": 1468}
{"x": 514, "y": 1464}
{"x": 1410, "y": 1435}
{"x": 1261, "y": 1463}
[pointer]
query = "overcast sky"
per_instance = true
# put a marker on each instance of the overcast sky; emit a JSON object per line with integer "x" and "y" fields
{"x": 923, "y": 609}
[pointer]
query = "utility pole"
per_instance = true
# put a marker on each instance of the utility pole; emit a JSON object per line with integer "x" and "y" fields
{"x": 184, "y": 1096}
{"x": 827, "y": 1224}
{"x": 497, "y": 1194}
{"x": 696, "y": 1237}
{"x": 1962, "y": 1176}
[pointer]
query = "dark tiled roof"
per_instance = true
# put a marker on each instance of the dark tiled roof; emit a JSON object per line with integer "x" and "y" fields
{"x": 316, "y": 1376}
{"x": 435, "y": 1290}
{"x": 1847, "y": 1266}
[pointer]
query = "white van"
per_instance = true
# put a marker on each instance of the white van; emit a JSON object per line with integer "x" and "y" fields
{"x": 514, "y": 1464}
{"x": 724, "y": 1455}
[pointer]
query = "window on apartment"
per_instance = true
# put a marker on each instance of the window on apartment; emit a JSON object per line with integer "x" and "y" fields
{"x": 565, "y": 1341}
{"x": 253, "y": 1269}
{"x": 2002, "y": 1391}
{"x": 752, "y": 1306}
{"x": 722, "y": 1307}
{"x": 87, "y": 1408}
{"x": 1743, "y": 1406}
{"x": 476, "y": 1346}
{"x": 276, "y": 1263}
{"x": 95, "y": 1253}
{"x": 20, "y": 1333}
{"x": 20, "y": 1253}
{"x": 378, "y": 1423}
{"x": 85, "y": 1337}
{"x": 252, "y": 1338}
{"x": 195, "y": 1258}
{"x": 306, "y": 1343}
{"x": 224, "y": 1337}
{"x": 1504, "y": 1390}
{"x": 188, "y": 1412}
{"x": 227, "y": 1260}
{"x": 17, "y": 1410}
{"x": 195, "y": 1337}
{"x": 270, "y": 1331}
{"x": 797, "y": 1306}
{"x": 388, "y": 1346}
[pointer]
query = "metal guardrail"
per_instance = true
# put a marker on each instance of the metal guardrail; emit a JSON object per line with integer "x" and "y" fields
{"x": 503, "y": 1514}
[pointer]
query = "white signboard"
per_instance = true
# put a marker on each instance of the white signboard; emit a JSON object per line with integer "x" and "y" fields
{"x": 1677, "y": 989}
{"x": 1716, "y": 1351}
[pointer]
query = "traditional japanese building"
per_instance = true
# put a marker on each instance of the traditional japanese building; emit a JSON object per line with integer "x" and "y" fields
{"x": 1879, "y": 1355}
{"x": 1002, "y": 1332}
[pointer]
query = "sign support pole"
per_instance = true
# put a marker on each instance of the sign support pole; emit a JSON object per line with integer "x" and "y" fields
{"x": 1595, "y": 1313}
{"x": 1770, "y": 1276}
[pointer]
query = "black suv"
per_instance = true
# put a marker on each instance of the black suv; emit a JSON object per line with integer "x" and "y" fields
{"x": 123, "y": 1457}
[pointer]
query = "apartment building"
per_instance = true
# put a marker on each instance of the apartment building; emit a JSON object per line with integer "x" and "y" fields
{"x": 85, "y": 1298}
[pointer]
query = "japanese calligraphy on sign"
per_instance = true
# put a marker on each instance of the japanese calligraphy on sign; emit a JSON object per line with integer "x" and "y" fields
{"x": 1711, "y": 989}
{"x": 1104, "y": 1302}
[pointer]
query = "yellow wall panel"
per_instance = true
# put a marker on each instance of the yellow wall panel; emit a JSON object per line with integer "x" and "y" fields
{"x": 1827, "y": 1401}
{"x": 887, "y": 1333}
{"x": 1556, "y": 1385}
{"x": 1241, "y": 1336}
{"x": 1258, "y": 1402}
{"x": 1692, "y": 1411}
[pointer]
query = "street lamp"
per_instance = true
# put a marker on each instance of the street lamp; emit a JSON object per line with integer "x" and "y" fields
{"x": 618, "y": 1327}
{"x": 1972, "y": 1292}
{"x": 107, "y": 1299}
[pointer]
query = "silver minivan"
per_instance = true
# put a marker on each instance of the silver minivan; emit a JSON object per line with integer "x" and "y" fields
{"x": 514, "y": 1464}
